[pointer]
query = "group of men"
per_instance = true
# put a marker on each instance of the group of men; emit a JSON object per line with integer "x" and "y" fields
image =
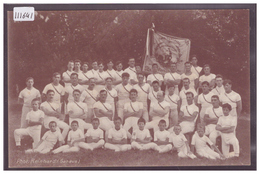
{"x": 182, "y": 100}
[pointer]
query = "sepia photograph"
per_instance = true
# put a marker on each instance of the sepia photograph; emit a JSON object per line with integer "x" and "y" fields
{"x": 117, "y": 86}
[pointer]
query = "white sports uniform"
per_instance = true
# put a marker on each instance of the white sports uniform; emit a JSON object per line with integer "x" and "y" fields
{"x": 153, "y": 95}
{"x": 132, "y": 121}
{"x": 94, "y": 134}
{"x": 134, "y": 77}
{"x": 59, "y": 91}
{"x": 156, "y": 119}
{"x": 105, "y": 122}
{"x": 111, "y": 95}
{"x": 111, "y": 73}
{"x": 123, "y": 97}
{"x": 188, "y": 110}
{"x": 69, "y": 90}
{"x": 218, "y": 90}
{"x": 93, "y": 72}
{"x": 143, "y": 92}
{"x": 72, "y": 136}
{"x": 173, "y": 100}
{"x": 66, "y": 76}
{"x": 117, "y": 135}
{"x": 183, "y": 95}
{"x": 207, "y": 78}
{"x": 202, "y": 148}
{"x": 172, "y": 76}
{"x": 27, "y": 96}
{"x": 141, "y": 135}
{"x": 49, "y": 140}
{"x": 78, "y": 109}
{"x": 196, "y": 70}
{"x": 192, "y": 78}
{"x": 231, "y": 98}
{"x": 178, "y": 142}
{"x": 155, "y": 77}
{"x": 85, "y": 77}
{"x": 90, "y": 99}
{"x": 162, "y": 136}
{"x": 131, "y": 72}
{"x": 47, "y": 118}
{"x": 205, "y": 101}
{"x": 228, "y": 138}
{"x": 118, "y": 75}
{"x": 100, "y": 76}
{"x": 210, "y": 129}
{"x": 33, "y": 131}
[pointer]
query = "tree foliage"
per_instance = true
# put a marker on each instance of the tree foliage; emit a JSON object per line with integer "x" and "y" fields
{"x": 39, "y": 48}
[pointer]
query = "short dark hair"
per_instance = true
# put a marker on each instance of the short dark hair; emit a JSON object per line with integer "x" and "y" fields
{"x": 55, "y": 74}
{"x": 140, "y": 73}
{"x": 103, "y": 90}
{"x": 109, "y": 77}
{"x": 187, "y": 93}
{"x": 29, "y": 78}
{"x": 35, "y": 99}
{"x": 206, "y": 65}
{"x": 219, "y": 76}
{"x": 133, "y": 90}
{"x": 130, "y": 58}
{"x": 74, "y": 74}
{"x": 101, "y": 62}
{"x": 110, "y": 60}
{"x": 141, "y": 120}
{"x": 226, "y": 105}
{"x": 194, "y": 55}
{"x": 50, "y": 90}
{"x": 74, "y": 121}
{"x": 76, "y": 90}
{"x": 95, "y": 119}
{"x": 118, "y": 118}
{"x": 200, "y": 126}
{"x": 186, "y": 79}
{"x": 125, "y": 74}
{"x": 205, "y": 83}
{"x": 155, "y": 82}
{"x": 154, "y": 64}
{"x": 227, "y": 81}
{"x": 52, "y": 122}
{"x": 162, "y": 121}
{"x": 215, "y": 96}
{"x": 85, "y": 63}
{"x": 119, "y": 62}
{"x": 77, "y": 60}
{"x": 187, "y": 63}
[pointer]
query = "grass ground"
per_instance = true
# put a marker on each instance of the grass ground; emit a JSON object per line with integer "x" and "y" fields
{"x": 108, "y": 158}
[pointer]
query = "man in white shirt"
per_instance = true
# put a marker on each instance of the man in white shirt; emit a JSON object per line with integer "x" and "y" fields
{"x": 25, "y": 97}
{"x": 100, "y": 77}
{"x": 158, "y": 111}
{"x": 53, "y": 113}
{"x": 112, "y": 94}
{"x": 131, "y": 70}
{"x": 134, "y": 79}
{"x": 152, "y": 96}
{"x": 212, "y": 114}
{"x": 90, "y": 98}
{"x": 209, "y": 77}
{"x": 85, "y": 75}
{"x": 188, "y": 116}
{"x": 78, "y": 111}
{"x": 232, "y": 98}
{"x": 172, "y": 78}
{"x": 186, "y": 88}
{"x": 66, "y": 74}
{"x": 204, "y": 100}
{"x": 57, "y": 87}
{"x": 219, "y": 89}
{"x": 74, "y": 85}
{"x": 188, "y": 74}
{"x": 132, "y": 112}
{"x": 195, "y": 68}
{"x": 77, "y": 64}
{"x": 94, "y": 69}
{"x": 118, "y": 72}
{"x": 155, "y": 76}
{"x": 103, "y": 111}
{"x": 110, "y": 71}
{"x": 143, "y": 90}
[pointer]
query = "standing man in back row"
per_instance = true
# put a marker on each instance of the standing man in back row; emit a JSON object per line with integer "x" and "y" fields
{"x": 66, "y": 74}
{"x": 195, "y": 69}
{"x": 131, "y": 70}
{"x": 25, "y": 97}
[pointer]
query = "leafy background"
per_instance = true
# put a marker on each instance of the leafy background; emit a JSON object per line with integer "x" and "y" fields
{"x": 218, "y": 37}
